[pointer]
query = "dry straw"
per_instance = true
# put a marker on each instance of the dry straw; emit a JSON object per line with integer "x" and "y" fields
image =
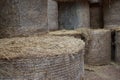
{"x": 40, "y": 46}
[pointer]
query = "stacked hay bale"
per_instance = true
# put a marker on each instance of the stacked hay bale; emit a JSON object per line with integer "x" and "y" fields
{"x": 42, "y": 58}
{"x": 97, "y": 44}
{"x": 111, "y": 14}
{"x": 73, "y": 14}
{"x": 111, "y": 10}
{"x": 112, "y": 22}
{"x": 99, "y": 51}
{"x": 23, "y": 17}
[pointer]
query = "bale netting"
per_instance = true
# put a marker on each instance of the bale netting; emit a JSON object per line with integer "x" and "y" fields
{"x": 42, "y": 58}
{"x": 117, "y": 45}
{"x": 99, "y": 50}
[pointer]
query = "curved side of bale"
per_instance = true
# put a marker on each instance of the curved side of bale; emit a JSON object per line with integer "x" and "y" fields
{"x": 60, "y": 67}
{"x": 99, "y": 51}
{"x": 117, "y": 54}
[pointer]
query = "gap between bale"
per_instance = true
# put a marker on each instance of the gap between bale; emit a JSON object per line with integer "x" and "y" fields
{"x": 117, "y": 45}
{"x": 113, "y": 45}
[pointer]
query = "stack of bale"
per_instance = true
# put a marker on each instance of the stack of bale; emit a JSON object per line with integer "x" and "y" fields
{"x": 57, "y": 56}
{"x": 42, "y": 58}
{"x": 98, "y": 44}
{"x": 112, "y": 22}
{"x": 98, "y": 41}
{"x": 104, "y": 43}
{"x": 23, "y": 17}
{"x": 36, "y": 58}
{"x": 99, "y": 50}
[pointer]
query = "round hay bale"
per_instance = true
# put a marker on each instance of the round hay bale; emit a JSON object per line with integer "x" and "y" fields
{"x": 23, "y": 18}
{"x": 111, "y": 9}
{"x": 99, "y": 50}
{"x": 117, "y": 52}
{"x": 42, "y": 58}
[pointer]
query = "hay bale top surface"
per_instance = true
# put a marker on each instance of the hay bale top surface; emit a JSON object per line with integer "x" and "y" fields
{"x": 39, "y": 46}
{"x": 100, "y": 30}
{"x": 64, "y": 32}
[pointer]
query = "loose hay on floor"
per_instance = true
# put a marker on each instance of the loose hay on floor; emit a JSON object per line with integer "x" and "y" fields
{"x": 106, "y": 72}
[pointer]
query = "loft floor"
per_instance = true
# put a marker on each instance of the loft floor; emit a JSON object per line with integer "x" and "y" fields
{"x": 107, "y": 72}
